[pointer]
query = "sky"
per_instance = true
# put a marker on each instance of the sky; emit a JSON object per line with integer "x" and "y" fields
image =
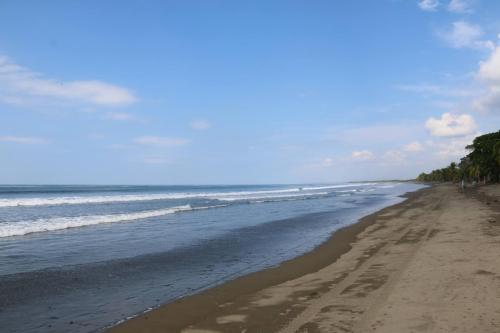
{"x": 243, "y": 92}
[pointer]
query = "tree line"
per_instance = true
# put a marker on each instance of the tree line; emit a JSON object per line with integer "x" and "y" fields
{"x": 481, "y": 164}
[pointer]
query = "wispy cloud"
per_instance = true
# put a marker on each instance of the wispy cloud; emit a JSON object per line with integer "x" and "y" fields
{"x": 413, "y": 147}
{"x": 393, "y": 157}
{"x": 455, "y": 6}
{"x": 451, "y": 125}
{"x": 327, "y": 162}
{"x": 200, "y": 124}
{"x": 160, "y": 141}
{"x": 120, "y": 116}
{"x": 119, "y": 146}
{"x": 460, "y": 6}
{"x": 155, "y": 160}
{"x": 438, "y": 90}
{"x": 429, "y": 5}
{"x": 462, "y": 34}
{"x": 23, "y": 140}
{"x": 20, "y": 85}
{"x": 483, "y": 93}
{"x": 375, "y": 135}
{"x": 362, "y": 155}
{"x": 321, "y": 163}
{"x": 489, "y": 101}
{"x": 451, "y": 148}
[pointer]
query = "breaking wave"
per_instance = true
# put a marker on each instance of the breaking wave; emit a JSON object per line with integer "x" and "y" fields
{"x": 20, "y": 228}
{"x": 223, "y": 196}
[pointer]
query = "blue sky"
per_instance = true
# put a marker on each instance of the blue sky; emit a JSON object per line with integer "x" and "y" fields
{"x": 220, "y": 92}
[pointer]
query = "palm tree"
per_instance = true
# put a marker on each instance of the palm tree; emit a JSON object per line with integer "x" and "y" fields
{"x": 482, "y": 161}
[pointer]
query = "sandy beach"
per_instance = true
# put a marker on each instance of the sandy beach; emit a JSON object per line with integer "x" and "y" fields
{"x": 250, "y": 166}
{"x": 429, "y": 264}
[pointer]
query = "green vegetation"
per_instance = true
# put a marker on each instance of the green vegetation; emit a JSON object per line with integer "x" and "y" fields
{"x": 482, "y": 163}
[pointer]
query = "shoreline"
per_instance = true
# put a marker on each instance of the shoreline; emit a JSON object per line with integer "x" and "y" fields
{"x": 183, "y": 312}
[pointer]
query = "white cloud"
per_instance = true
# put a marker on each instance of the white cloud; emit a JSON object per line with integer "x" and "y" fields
{"x": 362, "y": 155}
{"x": 460, "y": 6}
{"x": 429, "y": 5}
{"x": 413, "y": 147}
{"x": 120, "y": 116}
{"x": 489, "y": 101}
{"x": 489, "y": 70}
{"x": 20, "y": 85}
{"x": 160, "y": 141}
{"x": 200, "y": 125}
{"x": 462, "y": 34}
{"x": 455, "y": 6}
{"x": 452, "y": 148}
{"x": 23, "y": 140}
{"x": 489, "y": 75}
{"x": 451, "y": 125}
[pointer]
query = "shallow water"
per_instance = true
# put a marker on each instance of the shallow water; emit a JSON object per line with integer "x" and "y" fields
{"x": 81, "y": 258}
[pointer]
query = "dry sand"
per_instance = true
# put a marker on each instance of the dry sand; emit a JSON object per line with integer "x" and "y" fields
{"x": 429, "y": 264}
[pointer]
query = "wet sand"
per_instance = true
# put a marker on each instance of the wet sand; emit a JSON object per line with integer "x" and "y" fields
{"x": 429, "y": 264}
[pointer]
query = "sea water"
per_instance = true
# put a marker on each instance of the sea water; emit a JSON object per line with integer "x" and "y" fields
{"x": 82, "y": 258}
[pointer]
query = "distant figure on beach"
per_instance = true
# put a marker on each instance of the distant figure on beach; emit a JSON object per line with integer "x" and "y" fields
{"x": 462, "y": 185}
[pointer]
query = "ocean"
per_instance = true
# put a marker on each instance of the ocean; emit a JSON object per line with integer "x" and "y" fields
{"x": 83, "y": 258}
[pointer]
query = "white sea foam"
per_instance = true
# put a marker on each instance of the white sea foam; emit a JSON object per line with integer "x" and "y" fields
{"x": 273, "y": 197}
{"x": 224, "y": 196}
{"x": 20, "y": 228}
{"x": 49, "y": 201}
{"x": 389, "y": 186}
{"x": 327, "y": 187}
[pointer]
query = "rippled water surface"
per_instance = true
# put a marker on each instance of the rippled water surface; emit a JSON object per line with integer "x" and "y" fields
{"x": 81, "y": 258}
